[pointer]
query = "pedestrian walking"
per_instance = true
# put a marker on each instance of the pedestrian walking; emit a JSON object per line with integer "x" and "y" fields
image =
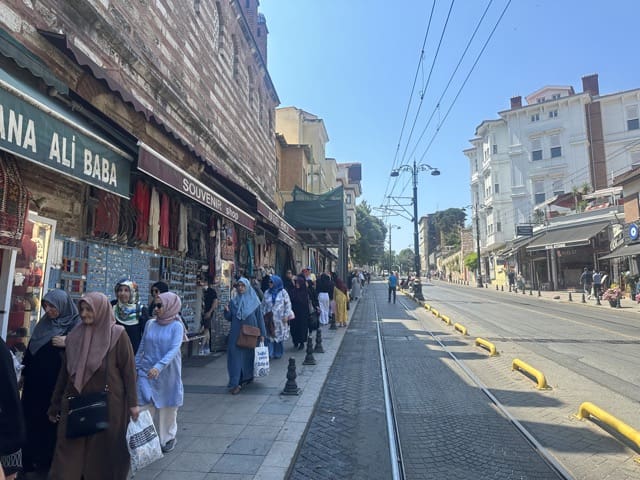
{"x": 159, "y": 368}
{"x": 512, "y": 279}
{"x": 42, "y": 361}
{"x": 586, "y": 280}
{"x": 129, "y": 311}
{"x": 300, "y": 304}
{"x": 12, "y": 426}
{"x": 392, "y": 283}
{"x": 341, "y": 298}
{"x": 277, "y": 302}
{"x": 356, "y": 287}
{"x": 597, "y": 284}
{"x": 209, "y": 307}
{"x": 324, "y": 289}
{"x": 244, "y": 308}
{"x": 98, "y": 352}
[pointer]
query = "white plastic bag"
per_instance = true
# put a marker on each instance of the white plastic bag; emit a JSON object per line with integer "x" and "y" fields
{"x": 143, "y": 442}
{"x": 261, "y": 361}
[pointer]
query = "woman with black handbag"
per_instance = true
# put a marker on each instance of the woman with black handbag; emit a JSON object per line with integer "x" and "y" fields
{"x": 98, "y": 373}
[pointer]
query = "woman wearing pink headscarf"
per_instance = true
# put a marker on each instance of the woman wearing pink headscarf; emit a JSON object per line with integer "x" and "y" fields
{"x": 159, "y": 367}
{"x": 97, "y": 350}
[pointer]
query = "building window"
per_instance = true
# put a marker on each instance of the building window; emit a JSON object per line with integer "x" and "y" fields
{"x": 348, "y": 199}
{"x": 555, "y": 96}
{"x": 535, "y": 117}
{"x": 633, "y": 123}
{"x": 499, "y": 227}
{"x": 494, "y": 148}
{"x": 553, "y": 114}
{"x": 496, "y": 187}
{"x": 539, "y": 196}
{"x": 556, "y": 149}
{"x": 536, "y": 149}
{"x": 557, "y": 187}
{"x": 348, "y": 221}
{"x": 540, "y": 99}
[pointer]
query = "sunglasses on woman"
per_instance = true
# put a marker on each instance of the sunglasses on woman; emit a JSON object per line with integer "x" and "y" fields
{"x": 157, "y": 305}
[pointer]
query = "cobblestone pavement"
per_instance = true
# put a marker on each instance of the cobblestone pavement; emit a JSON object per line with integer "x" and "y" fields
{"x": 447, "y": 426}
{"x": 347, "y": 436}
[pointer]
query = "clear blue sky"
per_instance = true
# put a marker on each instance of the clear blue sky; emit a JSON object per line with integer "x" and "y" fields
{"x": 353, "y": 63}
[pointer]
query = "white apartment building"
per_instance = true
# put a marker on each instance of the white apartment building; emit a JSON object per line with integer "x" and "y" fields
{"x": 557, "y": 142}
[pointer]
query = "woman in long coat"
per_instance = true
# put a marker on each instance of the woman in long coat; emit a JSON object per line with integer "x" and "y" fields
{"x": 244, "y": 308}
{"x": 159, "y": 368}
{"x": 97, "y": 350}
{"x": 42, "y": 362}
{"x": 341, "y": 297}
{"x": 300, "y": 302}
{"x": 276, "y": 300}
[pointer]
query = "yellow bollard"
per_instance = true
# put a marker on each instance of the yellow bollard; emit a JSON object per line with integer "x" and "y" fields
{"x": 588, "y": 408}
{"x": 427, "y": 306}
{"x": 435, "y": 312}
{"x": 460, "y": 328}
{"x": 488, "y": 345}
{"x": 520, "y": 365}
{"x": 445, "y": 319}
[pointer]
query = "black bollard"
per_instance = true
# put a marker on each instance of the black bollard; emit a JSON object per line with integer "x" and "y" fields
{"x": 496, "y": 287}
{"x": 486, "y": 285}
{"x": 598, "y": 300}
{"x": 618, "y": 305}
{"x": 291, "y": 387}
{"x": 531, "y": 291}
{"x": 308, "y": 359}
{"x": 570, "y": 299}
{"x": 583, "y": 299}
{"x": 332, "y": 323}
{"x": 502, "y": 288}
{"x": 539, "y": 294}
{"x": 524, "y": 290}
{"x": 318, "y": 348}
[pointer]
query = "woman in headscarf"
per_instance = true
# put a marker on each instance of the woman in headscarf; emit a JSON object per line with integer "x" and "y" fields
{"x": 244, "y": 308}
{"x": 276, "y": 300}
{"x": 42, "y": 361}
{"x": 12, "y": 426}
{"x": 159, "y": 368}
{"x": 98, "y": 352}
{"x": 300, "y": 304}
{"x": 341, "y": 298}
{"x": 129, "y": 311}
{"x": 324, "y": 288}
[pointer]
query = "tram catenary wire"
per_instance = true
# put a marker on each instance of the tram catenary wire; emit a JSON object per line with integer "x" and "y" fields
{"x": 392, "y": 427}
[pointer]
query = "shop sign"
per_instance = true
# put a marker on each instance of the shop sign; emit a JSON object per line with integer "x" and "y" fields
{"x": 34, "y": 131}
{"x": 154, "y": 164}
{"x": 275, "y": 219}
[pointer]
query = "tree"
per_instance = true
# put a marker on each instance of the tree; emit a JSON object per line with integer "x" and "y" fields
{"x": 448, "y": 223}
{"x": 406, "y": 259}
{"x": 370, "y": 235}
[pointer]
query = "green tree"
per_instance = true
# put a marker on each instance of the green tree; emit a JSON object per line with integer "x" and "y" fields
{"x": 471, "y": 261}
{"x": 406, "y": 259}
{"x": 448, "y": 223}
{"x": 370, "y": 235}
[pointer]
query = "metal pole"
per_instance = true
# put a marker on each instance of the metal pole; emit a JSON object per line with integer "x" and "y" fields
{"x": 416, "y": 240}
{"x": 479, "y": 276}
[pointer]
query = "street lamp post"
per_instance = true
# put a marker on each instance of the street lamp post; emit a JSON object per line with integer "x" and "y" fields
{"x": 414, "y": 169}
{"x": 479, "y": 275}
{"x": 391, "y": 227}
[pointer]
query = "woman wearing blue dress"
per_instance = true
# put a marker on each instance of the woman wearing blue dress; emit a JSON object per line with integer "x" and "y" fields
{"x": 244, "y": 308}
{"x": 159, "y": 367}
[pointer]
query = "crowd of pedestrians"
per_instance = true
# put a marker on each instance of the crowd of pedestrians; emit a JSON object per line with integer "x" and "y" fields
{"x": 131, "y": 352}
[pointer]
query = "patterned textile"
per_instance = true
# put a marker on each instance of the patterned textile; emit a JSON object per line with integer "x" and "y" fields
{"x": 14, "y": 202}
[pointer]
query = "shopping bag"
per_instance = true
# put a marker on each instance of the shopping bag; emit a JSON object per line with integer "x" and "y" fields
{"x": 143, "y": 442}
{"x": 261, "y": 361}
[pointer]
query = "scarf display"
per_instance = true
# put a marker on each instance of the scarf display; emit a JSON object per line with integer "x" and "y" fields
{"x": 88, "y": 345}
{"x": 48, "y": 327}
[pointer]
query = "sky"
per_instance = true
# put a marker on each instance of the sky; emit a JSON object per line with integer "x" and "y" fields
{"x": 354, "y": 63}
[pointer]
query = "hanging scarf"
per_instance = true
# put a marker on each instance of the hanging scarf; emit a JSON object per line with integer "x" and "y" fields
{"x": 171, "y": 306}
{"x": 245, "y": 303}
{"x": 127, "y": 313}
{"x": 48, "y": 327}
{"x": 275, "y": 288}
{"x": 88, "y": 345}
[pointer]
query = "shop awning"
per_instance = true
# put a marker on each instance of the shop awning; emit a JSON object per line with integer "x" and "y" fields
{"x": 11, "y": 48}
{"x": 624, "y": 251}
{"x": 566, "y": 237}
{"x": 35, "y": 127}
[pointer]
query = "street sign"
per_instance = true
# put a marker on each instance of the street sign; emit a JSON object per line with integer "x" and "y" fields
{"x": 524, "y": 230}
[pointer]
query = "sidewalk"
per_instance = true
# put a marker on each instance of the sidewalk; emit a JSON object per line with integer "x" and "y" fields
{"x": 626, "y": 303}
{"x": 252, "y": 435}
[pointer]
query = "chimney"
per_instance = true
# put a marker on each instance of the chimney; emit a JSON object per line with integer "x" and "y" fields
{"x": 590, "y": 84}
{"x": 516, "y": 102}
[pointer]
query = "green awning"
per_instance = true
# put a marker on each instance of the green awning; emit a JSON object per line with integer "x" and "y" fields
{"x": 11, "y": 48}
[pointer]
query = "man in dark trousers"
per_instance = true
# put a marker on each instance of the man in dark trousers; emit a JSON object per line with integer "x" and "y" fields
{"x": 392, "y": 281}
{"x": 586, "y": 279}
